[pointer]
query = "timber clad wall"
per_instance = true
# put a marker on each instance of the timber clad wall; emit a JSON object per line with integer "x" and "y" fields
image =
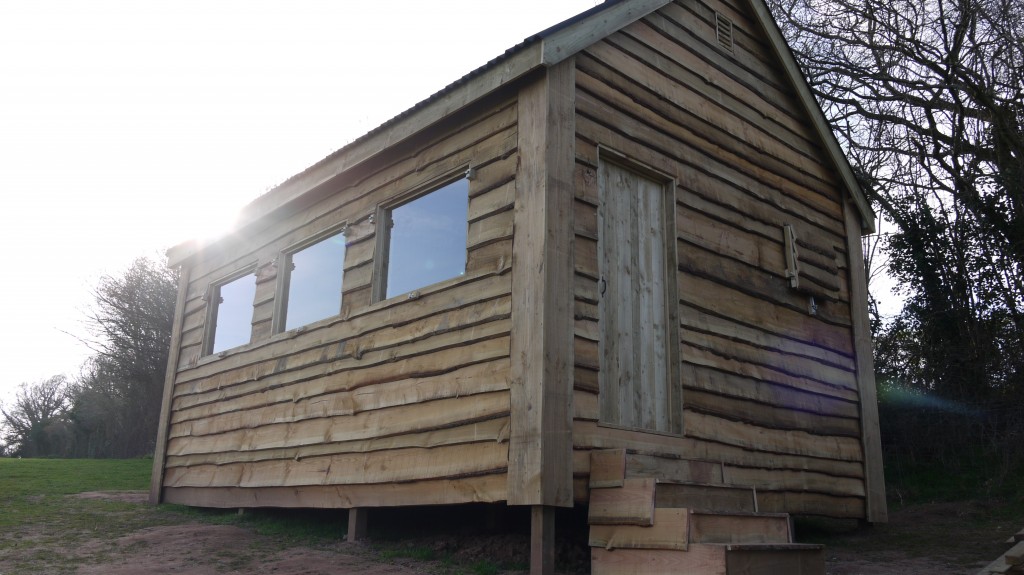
{"x": 403, "y": 391}
{"x": 769, "y": 391}
{"x": 747, "y": 354}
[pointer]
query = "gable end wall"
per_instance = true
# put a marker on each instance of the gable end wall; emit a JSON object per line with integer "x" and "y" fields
{"x": 770, "y": 392}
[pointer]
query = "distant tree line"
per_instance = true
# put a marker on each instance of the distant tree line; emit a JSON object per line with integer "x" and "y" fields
{"x": 927, "y": 98}
{"x": 112, "y": 408}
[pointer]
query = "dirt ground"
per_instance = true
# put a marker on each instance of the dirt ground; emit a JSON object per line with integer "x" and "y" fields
{"x": 196, "y": 548}
{"x": 201, "y": 549}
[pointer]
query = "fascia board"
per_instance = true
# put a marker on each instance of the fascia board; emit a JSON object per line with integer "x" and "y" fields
{"x": 572, "y": 39}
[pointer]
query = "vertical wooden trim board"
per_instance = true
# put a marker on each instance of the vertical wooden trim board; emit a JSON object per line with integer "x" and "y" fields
{"x": 540, "y": 444}
{"x": 874, "y": 478}
{"x": 156, "y": 483}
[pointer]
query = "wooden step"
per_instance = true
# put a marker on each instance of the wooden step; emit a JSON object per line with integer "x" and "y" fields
{"x": 670, "y": 531}
{"x": 753, "y": 528}
{"x": 704, "y": 497}
{"x": 786, "y": 559}
{"x": 631, "y": 504}
{"x": 711, "y": 559}
{"x": 609, "y": 467}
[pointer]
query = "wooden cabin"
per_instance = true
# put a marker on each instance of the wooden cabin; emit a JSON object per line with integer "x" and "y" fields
{"x": 617, "y": 266}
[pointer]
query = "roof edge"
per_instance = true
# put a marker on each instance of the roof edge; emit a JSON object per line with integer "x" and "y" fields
{"x": 564, "y": 41}
{"x": 842, "y": 163}
{"x": 544, "y": 49}
{"x": 512, "y": 66}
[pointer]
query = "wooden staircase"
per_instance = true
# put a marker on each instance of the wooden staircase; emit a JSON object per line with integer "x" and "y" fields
{"x": 654, "y": 526}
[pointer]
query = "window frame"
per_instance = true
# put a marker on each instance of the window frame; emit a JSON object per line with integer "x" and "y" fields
{"x": 382, "y": 249}
{"x": 213, "y": 302}
{"x": 283, "y": 264}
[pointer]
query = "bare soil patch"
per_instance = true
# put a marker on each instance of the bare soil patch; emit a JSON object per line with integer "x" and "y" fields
{"x": 956, "y": 538}
{"x": 198, "y": 549}
{"x": 937, "y": 539}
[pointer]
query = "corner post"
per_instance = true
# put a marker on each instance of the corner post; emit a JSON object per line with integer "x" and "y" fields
{"x": 540, "y": 383}
{"x": 160, "y": 453}
{"x": 871, "y": 442}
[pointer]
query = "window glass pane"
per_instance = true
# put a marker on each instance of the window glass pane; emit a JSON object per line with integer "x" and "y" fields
{"x": 233, "y": 315}
{"x": 314, "y": 283}
{"x": 428, "y": 239}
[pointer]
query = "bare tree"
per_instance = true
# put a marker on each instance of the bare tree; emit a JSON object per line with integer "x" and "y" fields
{"x": 927, "y": 97}
{"x": 117, "y": 404}
{"x": 35, "y": 424}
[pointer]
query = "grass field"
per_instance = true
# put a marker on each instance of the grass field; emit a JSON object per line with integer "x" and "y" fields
{"x": 45, "y": 527}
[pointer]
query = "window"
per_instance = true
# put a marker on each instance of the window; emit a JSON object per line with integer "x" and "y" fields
{"x": 425, "y": 240}
{"x": 311, "y": 288}
{"x": 230, "y": 319}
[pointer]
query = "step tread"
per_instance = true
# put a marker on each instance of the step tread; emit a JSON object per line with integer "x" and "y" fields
{"x": 768, "y": 546}
{"x": 705, "y": 497}
{"x": 740, "y": 513}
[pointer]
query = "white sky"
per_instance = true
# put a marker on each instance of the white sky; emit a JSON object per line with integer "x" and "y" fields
{"x": 128, "y": 126}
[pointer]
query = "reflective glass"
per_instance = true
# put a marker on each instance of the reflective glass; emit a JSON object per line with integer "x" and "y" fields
{"x": 233, "y": 315}
{"x": 314, "y": 282}
{"x": 428, "y": 239}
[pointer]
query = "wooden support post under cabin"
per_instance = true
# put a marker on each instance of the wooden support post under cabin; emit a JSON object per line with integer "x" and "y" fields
{"x": 542, "y": 540}
{"x": 357, "y": 524}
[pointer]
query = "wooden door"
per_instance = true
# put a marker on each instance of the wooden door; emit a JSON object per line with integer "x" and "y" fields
{"x": 638, "y": 380}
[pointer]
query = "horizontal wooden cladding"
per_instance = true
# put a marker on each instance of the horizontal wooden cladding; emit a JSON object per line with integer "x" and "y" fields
{"x": 771, "y": 429}
{"x": 694, "y": 170}
{"x": 796, "y": 480}
{"x": 802, "y": 401}
{"x": 647, "y": 97}
{"x": 697, "y": 261}
{"x": 227, "y": 434}
{"x": 483, "y": 140}
{"x": 724, "y": 353}
{"x": 769, "y": 416}
{"x": 476, "y": 489}
{"x": 347, "y": 396}
{"x": 398, "y": 465}
{"x": 687, "y": 33}
{"x": 270, "y": 427}
{"x": 751, "y": 49}
{"x": 766, "y": 253}
{"x": 434, "y": 313}
{"x": 663, "y": 468}
{"x": 781, "y": 441}
{"x": 748, "y": 309}
{"x": 756, "y": 213}
{"x": 489, "y": 430}
{"x": 488, "y": 143}
{"x": 589, "y": 435}
{"x": 804, "y": 503}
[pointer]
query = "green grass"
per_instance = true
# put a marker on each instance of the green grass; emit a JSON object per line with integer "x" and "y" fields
{"x": 39, "y": 522}
{"x": 19, "y": 477}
